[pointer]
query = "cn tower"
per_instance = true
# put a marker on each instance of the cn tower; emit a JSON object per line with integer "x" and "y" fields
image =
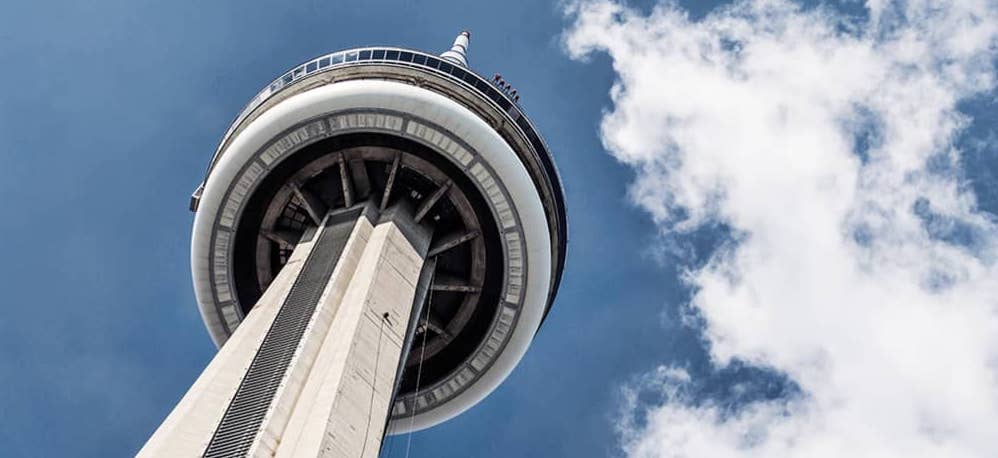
{"x": 377, "y": 239}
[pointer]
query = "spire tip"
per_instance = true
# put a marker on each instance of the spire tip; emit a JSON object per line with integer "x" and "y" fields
{"x": 458, "y": 53}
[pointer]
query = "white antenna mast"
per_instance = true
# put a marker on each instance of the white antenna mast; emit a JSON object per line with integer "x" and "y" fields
{"x": 458, "y": 53}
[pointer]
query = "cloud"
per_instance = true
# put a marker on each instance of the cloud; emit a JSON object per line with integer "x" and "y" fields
{"x": 862, "y": 268}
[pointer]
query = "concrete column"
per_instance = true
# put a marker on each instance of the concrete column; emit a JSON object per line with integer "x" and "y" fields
{"x": 189, "y": 427}
{"x": 337, "y": 379}
{"x": 342, "y": 408}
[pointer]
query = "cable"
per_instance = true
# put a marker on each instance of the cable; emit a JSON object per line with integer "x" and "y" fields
{"x": 419, "y": 368}
{"x": 374, "y": 383}
{"x": 388, "y": 438}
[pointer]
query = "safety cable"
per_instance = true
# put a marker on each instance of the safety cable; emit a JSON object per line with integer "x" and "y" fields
{"x": 374, "y": 383}
{"x": 419, "y": 368}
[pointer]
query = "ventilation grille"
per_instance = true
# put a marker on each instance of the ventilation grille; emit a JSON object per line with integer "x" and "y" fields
{"x": 243, "y": 417}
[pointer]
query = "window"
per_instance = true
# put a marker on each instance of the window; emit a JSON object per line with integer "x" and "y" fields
{"x": 522, "y": 122}
{"x": 405, "y": 56}
{"x": 536, "y": 141}
{"x": 324, "y": 62}
{"x": 287, "y": 78}
{"x": 503, "y": 103}
{"x": 379, "y": 54}
{"x": 470, "y": 78}
{"x": 337, "y": 58}
{"x": 365, "y": 55}
{"x": 392, "y": 55}
{"x": 351, "y": 56}
{"x": 445, "y": 67}
{"x": 419, "y": 59}
{"x": 299, "y": 71}
{"x": 432, "y": 62}
{"x": 311, "y": 67}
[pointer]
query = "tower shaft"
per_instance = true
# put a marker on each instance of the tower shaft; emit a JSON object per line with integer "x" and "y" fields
{"x": 312, "y": 368}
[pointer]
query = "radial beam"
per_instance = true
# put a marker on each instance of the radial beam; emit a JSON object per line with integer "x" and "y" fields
{"x": 428, "y": 203}
{"x": 391, "y": 181}
{"x": 282, "y": 237}
{"x": 347, "y": 182}
{"x": 436, "y": 326}
{"x": 315, "y": 208}
{"x": 455, "y": 287}
{"x": 451, "y": 241}
{"x": 358, "y": 173}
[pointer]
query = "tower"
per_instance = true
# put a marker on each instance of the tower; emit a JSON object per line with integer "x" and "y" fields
{"x": 377, "y": 239}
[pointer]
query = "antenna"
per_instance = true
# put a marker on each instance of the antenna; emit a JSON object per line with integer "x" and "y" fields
{"x": 458, "y": 53}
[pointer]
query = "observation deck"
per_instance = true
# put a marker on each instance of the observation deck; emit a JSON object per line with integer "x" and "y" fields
{"x": 393, "y": 126}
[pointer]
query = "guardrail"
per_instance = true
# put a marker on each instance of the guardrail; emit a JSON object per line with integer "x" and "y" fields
{"x": 397, "y": 56}
{"x": 426, "y": 62}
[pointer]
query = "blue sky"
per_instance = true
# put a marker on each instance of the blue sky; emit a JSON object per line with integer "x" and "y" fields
{"x": 110, "y": 112}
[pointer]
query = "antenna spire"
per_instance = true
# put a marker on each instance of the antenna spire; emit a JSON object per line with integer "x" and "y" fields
{"x": 458, "y": 53}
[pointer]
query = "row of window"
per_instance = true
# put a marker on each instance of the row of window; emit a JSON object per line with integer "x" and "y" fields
{"x": 393, "y": 55}
{"x": 414, "y": 59}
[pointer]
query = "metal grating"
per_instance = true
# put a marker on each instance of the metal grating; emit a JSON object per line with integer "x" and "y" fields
{"x": 242, "y": 419}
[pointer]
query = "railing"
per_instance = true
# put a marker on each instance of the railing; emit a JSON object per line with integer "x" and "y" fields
{"x": 426, "y": 62}
{"x": 407, "y": 57}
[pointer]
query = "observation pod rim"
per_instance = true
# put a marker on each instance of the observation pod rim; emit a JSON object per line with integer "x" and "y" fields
{"x": 389, "y": 95}
{"x": 513, "y": 119}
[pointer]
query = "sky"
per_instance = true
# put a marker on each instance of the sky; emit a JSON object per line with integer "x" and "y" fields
{"x": 782, "y": 218}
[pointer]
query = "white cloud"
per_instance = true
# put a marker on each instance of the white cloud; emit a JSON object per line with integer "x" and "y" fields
{"x": 862, "y": 273}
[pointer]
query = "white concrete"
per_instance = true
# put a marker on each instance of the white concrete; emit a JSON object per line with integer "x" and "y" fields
{"x": 458, "y": 53}
{"x": 189, "y": 427}
{"x": 342, "y": 408}
{"x": 334, "y": 396}
{"x": 302, "y": 363}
